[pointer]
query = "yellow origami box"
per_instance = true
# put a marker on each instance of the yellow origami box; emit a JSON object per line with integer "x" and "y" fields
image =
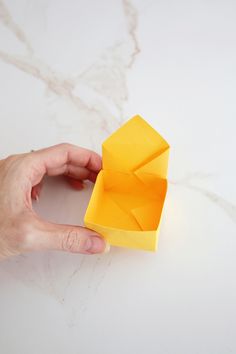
{"x": 129, "y": 193}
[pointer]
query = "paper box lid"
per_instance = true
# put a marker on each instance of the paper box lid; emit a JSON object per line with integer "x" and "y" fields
{"x": 137, "y": 148}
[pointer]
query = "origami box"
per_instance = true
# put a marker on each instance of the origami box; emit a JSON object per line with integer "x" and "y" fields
{"x": 129, "y": 193}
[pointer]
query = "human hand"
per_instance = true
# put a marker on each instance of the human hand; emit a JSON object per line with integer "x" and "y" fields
{"x": 21, "y": 229}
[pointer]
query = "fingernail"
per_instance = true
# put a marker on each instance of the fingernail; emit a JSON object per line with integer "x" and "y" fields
{"x": 107, "y": 248}
{"x": 95, "y": 245}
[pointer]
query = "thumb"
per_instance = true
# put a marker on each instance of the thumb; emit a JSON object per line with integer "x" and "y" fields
{"x": 75, "y": 239}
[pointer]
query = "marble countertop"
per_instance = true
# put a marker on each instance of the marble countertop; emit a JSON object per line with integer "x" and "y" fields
{"x": 73, "y": 71}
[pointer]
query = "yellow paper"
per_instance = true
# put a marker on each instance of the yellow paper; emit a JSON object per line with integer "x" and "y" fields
{"x": 129, "y": 193}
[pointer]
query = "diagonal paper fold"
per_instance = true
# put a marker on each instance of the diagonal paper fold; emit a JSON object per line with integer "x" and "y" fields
{"x": 129, "y": 193}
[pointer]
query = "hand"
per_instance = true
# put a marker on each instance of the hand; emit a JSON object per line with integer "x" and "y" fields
{"x": 21, "y": 229}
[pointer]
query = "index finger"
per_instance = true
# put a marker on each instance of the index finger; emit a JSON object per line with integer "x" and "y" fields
{"x": 59, "y": 156}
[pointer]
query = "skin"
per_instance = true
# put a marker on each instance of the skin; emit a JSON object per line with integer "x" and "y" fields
{"x": 21, "y": 229}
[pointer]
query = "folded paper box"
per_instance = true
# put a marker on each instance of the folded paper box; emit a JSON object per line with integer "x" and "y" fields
{"x": 129, "y": 193}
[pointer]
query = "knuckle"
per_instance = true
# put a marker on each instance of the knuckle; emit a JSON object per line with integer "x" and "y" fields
{"x": 71, "y": 241}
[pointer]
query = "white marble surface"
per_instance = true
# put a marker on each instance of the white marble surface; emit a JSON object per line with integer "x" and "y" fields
{"x": 74, "y": 71}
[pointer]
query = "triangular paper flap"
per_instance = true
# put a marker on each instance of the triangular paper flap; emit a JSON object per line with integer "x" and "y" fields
{"x": 148, "y": 215}
{"x": 111, "y": 214}
{"x": 112, "y": 161}
{"x": 127, "y": 184}
{"x": 158, "y": 187}
{"x": 154, "y": 187}
{"x": 119, "y": 181}
{"x": 131, "y": 144}
{"x": 135, "y": 204}
{"x": 127, "y": 202}
{"x": 156, "y": 167}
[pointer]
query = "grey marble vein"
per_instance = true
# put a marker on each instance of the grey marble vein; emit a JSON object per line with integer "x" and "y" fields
{"x": 8, "y": 21}
{"x": 132, "y": 25}
{"x": 110, "y": 68}
{"x": 187, "y": 182}
{"x": 224, "y": 204}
